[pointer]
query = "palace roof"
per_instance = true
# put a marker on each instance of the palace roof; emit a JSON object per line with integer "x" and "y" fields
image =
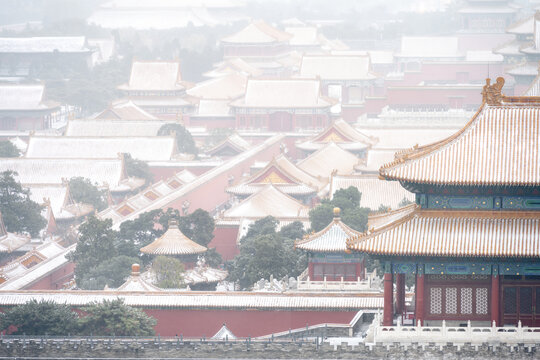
{"x": 234, "y": 66}
{"x": 203, "y": 273}
{"x": 523, "y": 27}
{"x": 173, "y": 242}
{"x": 333, "y": 238}
{"x": 10, "y": 241}
{"x": 375, "y": 159}
{"x": 136, "y": 283}
{"x": 201, "y": 300}
{"x": 24, "y": 97}
{"x": 51, "y": 44}
{"x": 511, "y": 47}
{"x": 281, "y": 173}
{"x": 113, "y": 128}
{"x": 429, "y": 47}
{"x": 213, "y": 108}
{"x": 55, "y": 171}
{"x": 328, "y": 159}
{"x": 234, "y": 143}
{"x": 58, "y": 198}
{"x": 268, "y": 201}
{"x": 228, "y": 87}
{"x": 342, "y": 133}
{"x": 421, "y": 232}
{"x": 337, "y": 67}
{"x": 257, "y": 32}
{"x": 283, "y": 93}
{"x": 407, "y": 137}
{"x": 303, "y": 35}
{"x": 154, "y": 76}
{"x": 375, "y": 192}
{"x": 152, "y": 148}
{"x": 499, "y": 146}
{"x": 124, "y": 110}
{"x": 534, "y": 88}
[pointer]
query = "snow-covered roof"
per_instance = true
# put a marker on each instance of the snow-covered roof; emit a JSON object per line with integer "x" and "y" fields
{"x": 135, "y": 283}
{"x": 328, "y": 159}
{"x": 525, "y": 26}
{"x": 257, "y": 32}
{"x": 333, "y": 238}
{"x": 52, "y": 171}
{"x": 342, "y": 133}
{"x": 154, "y": 75}
{"x": 429, "y": 47}
{"x": 234, "y": 66}
{"x": 23, "y": 97}
{"x": 56, "y": 195}
{"x": 173, "y": 242}
{"x": 233, "y": 142}
{"x": 303, "y": 35}
{"x": 337, "y": 67}
{"x": 268, "y": 201}
{"x": 402, "y": 138}
{"x": 375, "y": 159}
{"x": 156, "y": 148}
{"x": 113, "y": 128}
{"x": 283, "y": 93}
{"x": 483, "y": 56}
{"x": 202, "y": 300}
{"x": 202, "y": 273}
{"x": 213, "y": 108}
{"x": 124, "y": 110}
{"x": 224, "y": 333}
{"x": 49, "y": 256}
{"x": 375, "y": 192}
{"x": 226, "y": 87}
{"x": 50, "y": 44}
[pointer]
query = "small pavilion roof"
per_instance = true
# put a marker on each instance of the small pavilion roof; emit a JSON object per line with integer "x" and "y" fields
{"x": 154, "y": 76}
{"x": 224, "y": 333}
{"x": 173, "y": 242}
{"x": 418, "y": 232}
{"x": 268, "y": 201}
{"x": 342, "y": 133}
{"x": 328, "y": 159}
{"x": 257, "y": 32}
{"x": 534, "y": 88}
{"x": 333, "y": 238}
{"x": 499, "y": 146}
{"x": 136, "y": 283}
{"x": 281, "y": 173}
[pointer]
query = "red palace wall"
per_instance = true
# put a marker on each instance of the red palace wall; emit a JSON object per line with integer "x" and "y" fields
{"x": 54, "y": 280}
{"x": 212, "y": 193}
{"x": 242, "y": 323}
{"x": 224, "y": 241}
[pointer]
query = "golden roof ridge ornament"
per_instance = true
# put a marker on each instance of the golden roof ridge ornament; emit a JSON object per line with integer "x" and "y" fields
{"x": 492, "y": 94}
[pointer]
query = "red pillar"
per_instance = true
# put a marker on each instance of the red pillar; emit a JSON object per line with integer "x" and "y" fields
{"x": 495, "y": 298}
{"x": 400, "y": 293}
{"x": 388, "y": 310}
{"x": 310, "y": 271}
{"x": 419, "y": 310}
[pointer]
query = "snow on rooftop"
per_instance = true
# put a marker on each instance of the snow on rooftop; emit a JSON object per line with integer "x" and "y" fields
{"x": 337, "y": 67}
{"x": 22, "y": 97}
{"x": 430, "y": 47}
{"x": 157, "y": 148}
{"x": 154, "y": 75}
{"x": 113, "y": 128}
{"x": 63, "y": 44}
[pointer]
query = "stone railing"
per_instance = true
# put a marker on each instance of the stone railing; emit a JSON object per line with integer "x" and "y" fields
{"x": 458, "y": 336}
{"x": 305, "y": 283}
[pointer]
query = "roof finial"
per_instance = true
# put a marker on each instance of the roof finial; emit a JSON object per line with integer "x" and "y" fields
{"x": 135, "y": 269}
{"x": 337, "y": 213}
{"x": 173, "y": 223}
{"x": 491, "y": 94}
